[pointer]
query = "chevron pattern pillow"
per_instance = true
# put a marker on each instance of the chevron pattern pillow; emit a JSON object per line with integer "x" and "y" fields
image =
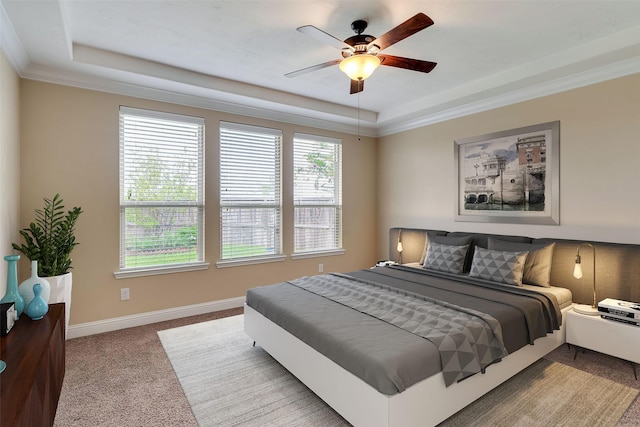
{"x": 498, "y": 266}
{"x": 447, "y": 258}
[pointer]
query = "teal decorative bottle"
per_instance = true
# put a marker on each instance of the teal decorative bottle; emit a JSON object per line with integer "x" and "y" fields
{"x": 26, "y": 287}
{"x": 38, "y": 307}
{"x": 12, "y": 294}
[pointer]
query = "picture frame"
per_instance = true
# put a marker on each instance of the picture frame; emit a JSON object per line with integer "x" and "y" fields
{"x": 510, "y": 176}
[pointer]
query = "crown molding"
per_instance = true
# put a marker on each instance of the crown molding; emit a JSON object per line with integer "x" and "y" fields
{"x": 10, "y": 44}
{"x": 444, "y": 112}
{"x": 251, "y": 108}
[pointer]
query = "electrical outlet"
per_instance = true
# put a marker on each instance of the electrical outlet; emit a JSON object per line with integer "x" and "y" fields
{"x": 320, "y": 268}
{"x": 124, "y": 294}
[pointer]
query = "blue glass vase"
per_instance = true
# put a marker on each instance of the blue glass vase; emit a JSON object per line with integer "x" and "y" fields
{"x": 38, "y": 307}
{"x": 26, "y": 288}
{"x": 12, "y": 294}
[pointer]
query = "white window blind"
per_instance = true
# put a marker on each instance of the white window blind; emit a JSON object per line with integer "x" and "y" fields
{"x": 317, "y": 193}
{"x": 250, "y": 195}
{"x": 161, "y": 189}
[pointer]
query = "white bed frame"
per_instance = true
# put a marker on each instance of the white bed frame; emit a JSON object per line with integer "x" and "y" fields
{"x": 426, "y": 403}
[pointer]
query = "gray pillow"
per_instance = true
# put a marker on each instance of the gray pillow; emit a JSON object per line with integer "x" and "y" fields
{"x": 498, "y": 266}
{"x": 447, "y": 258}
{"x": 537, "y": 267}
{"x": 443, "y": 240}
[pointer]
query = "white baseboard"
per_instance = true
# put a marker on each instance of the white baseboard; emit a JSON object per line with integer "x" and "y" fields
{"x": 116, "y": 323}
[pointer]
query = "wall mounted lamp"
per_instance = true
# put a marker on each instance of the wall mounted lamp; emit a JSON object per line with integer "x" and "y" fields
{"x": 577, "y": 273}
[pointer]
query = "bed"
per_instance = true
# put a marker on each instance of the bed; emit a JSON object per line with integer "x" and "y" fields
{"x": 371, "y": 344}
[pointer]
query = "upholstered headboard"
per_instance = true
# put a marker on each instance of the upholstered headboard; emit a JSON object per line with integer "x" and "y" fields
{"x": 617, "y": 264}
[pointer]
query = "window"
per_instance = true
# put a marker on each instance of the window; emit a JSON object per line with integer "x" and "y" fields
{"x": 250, "y": 196}
{"x": 317, "y": 193}
{"x": 161, "y": 189}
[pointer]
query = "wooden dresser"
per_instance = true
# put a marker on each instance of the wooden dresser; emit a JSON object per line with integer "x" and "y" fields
{"x": 35, "y": 355}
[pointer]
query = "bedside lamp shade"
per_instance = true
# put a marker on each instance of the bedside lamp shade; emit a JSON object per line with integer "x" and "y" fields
{"x": 577, "y": 273}
{"x": 577, "y": 270}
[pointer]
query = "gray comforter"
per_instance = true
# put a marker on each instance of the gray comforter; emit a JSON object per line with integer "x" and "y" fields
{"x": 380, "y": 353}
{"x": 468, "y": 340}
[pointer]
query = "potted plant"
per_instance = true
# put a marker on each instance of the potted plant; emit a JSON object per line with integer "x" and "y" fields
{"x": 49, "y": 240}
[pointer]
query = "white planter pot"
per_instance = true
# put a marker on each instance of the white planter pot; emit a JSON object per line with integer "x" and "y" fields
{"x": 61, "y": 292}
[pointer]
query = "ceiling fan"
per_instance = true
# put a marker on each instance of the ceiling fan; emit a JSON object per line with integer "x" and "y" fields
{"x": 361, "y": 53}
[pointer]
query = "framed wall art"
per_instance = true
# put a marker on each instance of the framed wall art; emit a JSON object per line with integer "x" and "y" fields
{"x": 510, "y": 176}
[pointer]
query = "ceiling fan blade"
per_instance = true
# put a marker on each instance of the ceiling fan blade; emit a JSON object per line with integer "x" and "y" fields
{"x": 326, "y": 38}
{"x": 313, "y": 68}
{"x": 410, "y": 26}
{"x": 407, "y": 63}
{"x": 356, "y": 86}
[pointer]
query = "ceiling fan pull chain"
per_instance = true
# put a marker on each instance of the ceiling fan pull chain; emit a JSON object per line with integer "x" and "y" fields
{"x": 358, "y": 115}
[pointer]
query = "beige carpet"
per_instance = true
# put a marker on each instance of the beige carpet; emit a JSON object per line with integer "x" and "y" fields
{"x": 228, "y": 382}
{"x": 549, "y": 394}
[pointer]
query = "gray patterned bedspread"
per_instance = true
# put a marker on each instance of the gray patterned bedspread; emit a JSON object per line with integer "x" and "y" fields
{"x": 384, "y": 355}
{"x": 468, "y": 340}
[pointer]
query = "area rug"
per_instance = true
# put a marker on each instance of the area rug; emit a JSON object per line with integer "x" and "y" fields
{"x": 228, "y": 382}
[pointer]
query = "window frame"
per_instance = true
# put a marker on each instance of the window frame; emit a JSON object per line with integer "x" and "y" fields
{"x": 338, "y": 205}
{"x": 199, "y": 204}
{"x": 277, "y": 204}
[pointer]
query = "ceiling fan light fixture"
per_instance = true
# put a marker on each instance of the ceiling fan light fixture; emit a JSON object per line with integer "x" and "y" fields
{"x": 360, "y": 66}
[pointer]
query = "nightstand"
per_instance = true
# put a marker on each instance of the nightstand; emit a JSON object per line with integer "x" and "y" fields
{"x": 605, "y": 336}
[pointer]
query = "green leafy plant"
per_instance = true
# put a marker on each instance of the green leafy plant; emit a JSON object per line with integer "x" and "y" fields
{"x": 50, "y": 239}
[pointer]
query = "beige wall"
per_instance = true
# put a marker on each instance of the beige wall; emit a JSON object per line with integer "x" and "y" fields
{"x": 69, "y": 145}
{"x": 599, "y": 166}
{"x": 9, "y": 162}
